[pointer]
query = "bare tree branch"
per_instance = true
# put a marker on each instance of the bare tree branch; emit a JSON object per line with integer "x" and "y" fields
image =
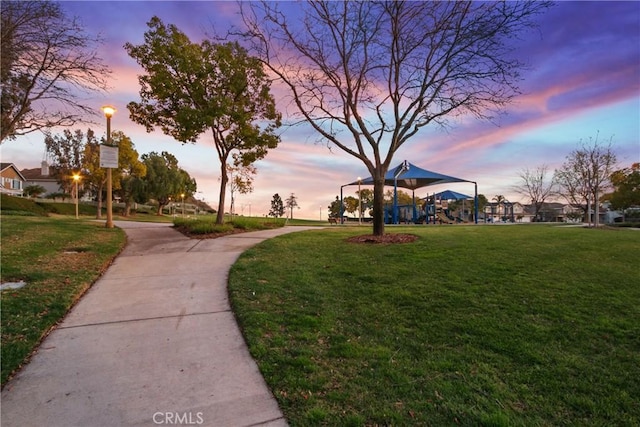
{"x": 537, "y": 186}
{"x": 368, "y": 76}
{"x": 48, "y": 62}
{"x": 586, "y": 174}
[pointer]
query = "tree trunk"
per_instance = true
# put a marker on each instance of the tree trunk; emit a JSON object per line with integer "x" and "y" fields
{"x": 378, "y": 206}
{"x": 99, "y": 210}
{"x": 596, "y": 221}
{"x": 223, "y": 190}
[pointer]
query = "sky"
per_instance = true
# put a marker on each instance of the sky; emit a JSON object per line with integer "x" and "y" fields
{"x": 582, "y": 82}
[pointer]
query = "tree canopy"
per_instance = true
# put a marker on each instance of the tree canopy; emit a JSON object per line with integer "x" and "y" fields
{"x": 277, "y": 206}
{"x": 189, "y": 88}
{"x": 368, "y": 76}
{"x": 66, "y": 153}
{"x": 626, "y": 183}
{"x": 164, "y": 180}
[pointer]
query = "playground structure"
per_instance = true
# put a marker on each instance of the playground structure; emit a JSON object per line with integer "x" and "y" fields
{"x": 409, "y": 176}
{"x": 433, "y": 210}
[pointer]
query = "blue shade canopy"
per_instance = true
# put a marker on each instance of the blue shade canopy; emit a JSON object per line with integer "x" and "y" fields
{"x": 412, "y": 177}
{"x": 451, "y": 195}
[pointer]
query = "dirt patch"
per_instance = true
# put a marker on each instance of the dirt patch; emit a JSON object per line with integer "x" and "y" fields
{"x": 390, "y": 238}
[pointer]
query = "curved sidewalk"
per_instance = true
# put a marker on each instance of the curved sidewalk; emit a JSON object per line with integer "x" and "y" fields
{"x": 153, "y": 342}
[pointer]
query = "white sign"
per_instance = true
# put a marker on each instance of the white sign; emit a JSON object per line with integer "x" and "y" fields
{"x": 108, "y": 156}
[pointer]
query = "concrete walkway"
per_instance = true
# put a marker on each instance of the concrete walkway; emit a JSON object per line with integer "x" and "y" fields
{"x": 153, "y": 342}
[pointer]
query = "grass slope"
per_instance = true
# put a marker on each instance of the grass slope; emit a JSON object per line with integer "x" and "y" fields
{"x": 58, "y": 258}
{"x": 485, "y": 325}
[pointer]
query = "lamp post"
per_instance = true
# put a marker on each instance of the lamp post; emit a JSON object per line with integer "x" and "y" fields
{"x": 359, "y": 202}
{"x": 342, "y": 205}
{"x": 182, "y": 196}
{"x": 76, "y": 178}
{"x": 108, "y": 113}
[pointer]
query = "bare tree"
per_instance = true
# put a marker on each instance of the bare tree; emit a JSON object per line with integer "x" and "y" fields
{"x": 368, "y": 76}
{"x": 586, "y": 174}
{"x": 240, "y": 181}
{"x": 535, "y": 185}
{"x": 290, "y": 203}
{"x": 48, "y": 60}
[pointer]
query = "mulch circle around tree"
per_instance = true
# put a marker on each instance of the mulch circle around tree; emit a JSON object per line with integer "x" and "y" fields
{"x": 389, "y": 238}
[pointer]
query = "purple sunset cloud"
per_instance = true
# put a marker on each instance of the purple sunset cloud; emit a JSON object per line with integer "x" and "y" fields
{"x": 583, "y": 77}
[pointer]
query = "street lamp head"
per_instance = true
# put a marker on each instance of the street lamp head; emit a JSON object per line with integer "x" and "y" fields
{"x": 76, "y": 177}
{"x": 108, "y": 111}
{"x": 359, "y": 179}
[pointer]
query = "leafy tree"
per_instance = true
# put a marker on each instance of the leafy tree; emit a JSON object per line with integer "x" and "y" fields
{"x": 290, "y": 203}
{"x": 277, "y": 207}
{"x": 366, "y": 196}
{"x": 482, "y": 203}
{"x": 368, "y": 76}
{"x": 626, "y": 183}
{"x": 130, "y": 173}
{"x": 95, "y": 176}
{"x": 537, "y": 186}
{"x": 66, "y": 154}
{"x": 34, "y": 190}
{"x": 585, "y": 175}
{"x": 165, "y": 181}
{"x": 190, "y": 88}
{"x": 334, "y": 208}
{"x": 404, "y": 198}
{"x": 351, "y": 204}
{"x": 44, "y": 54}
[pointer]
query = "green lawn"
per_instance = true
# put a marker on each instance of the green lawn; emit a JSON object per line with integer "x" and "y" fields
{"x": 469, "y": 325}
{"x": 58, "y": 258}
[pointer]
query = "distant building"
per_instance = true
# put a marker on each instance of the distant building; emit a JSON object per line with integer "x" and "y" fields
{"x": 559, "y": 212}
{"x": 41, "y": 176}
{"x": 12, "y": 182}
{"x": 501, "y": 212}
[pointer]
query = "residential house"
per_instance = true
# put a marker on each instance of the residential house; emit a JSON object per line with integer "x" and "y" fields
{"x": 501, "y": 212}
{"x": 41, "y": 176}
{"x": 552, "y": 212}
{"x": 12, "y": 182}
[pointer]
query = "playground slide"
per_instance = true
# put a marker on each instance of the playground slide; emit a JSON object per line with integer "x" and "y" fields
{"x": 442, "y": 218}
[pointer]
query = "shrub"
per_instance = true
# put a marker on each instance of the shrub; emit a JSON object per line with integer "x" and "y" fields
{"x": 207, "y": 225}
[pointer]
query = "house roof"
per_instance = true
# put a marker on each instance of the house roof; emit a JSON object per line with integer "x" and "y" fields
{"x": 35, "y": 174}
{"x": 5, "y": 166}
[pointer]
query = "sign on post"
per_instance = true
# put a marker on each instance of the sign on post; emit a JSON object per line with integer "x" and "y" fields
{"x": 108, "y": 156}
